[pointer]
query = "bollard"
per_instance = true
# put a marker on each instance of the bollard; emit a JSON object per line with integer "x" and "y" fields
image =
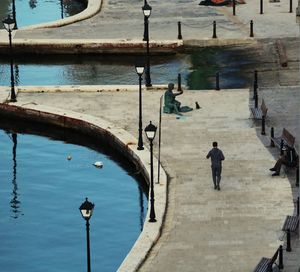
{"x": 272, "y": 136}
{"x": 251, "y": 29}
{"x": 214, "y": 30}
{"x": 281, "y": 147}
{"x": 288, "y": 241}
{"x": 291, "y": 6}
{"x": 297, "y": 175}
{"x": 255, "y": 85}
{"x": 280, "y": 261}
{"x": 261, "y": 7}
{"x": 263, "y": 125}
{"x": 256, "y": 100}
{"x": 233, "y": 7}
{"x": 217, "y": 81}
{"x": 179, "y": 89}
{"x": 179, "y": 31}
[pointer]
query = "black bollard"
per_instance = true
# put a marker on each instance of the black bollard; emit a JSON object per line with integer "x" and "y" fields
{"x": 272, "y": 136}
{"x": 288, "y": 241}
{"x": 291, "y": 6}
{"x": 255, "y": 85}
{"x": 263, "y": 125}
{"x": 179, "y": 31}
{"x": 233, "y": 7}
{"x": 251, "y": 29}
{"x": 179, "y": 89}
{"x": 281, "y": 147}
{"x": 297, "y": 175}
{"x": 217, "y": 81}
{"x": 256, "y": 100}
{"x": 261, "y": 7}
{"x": 214, "y": 30}
{"x": 280, "y": 264}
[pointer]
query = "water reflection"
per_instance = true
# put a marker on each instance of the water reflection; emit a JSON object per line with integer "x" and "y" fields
{"x": 141, "y": 199}
{"x": 15, "y": 203}
{"x": 40, "y": 11}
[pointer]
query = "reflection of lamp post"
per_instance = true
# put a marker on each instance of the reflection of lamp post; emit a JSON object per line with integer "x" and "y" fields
{"x": 14, "y": 13}
{"x": 150, "y": 132}
{"x": 61, "y": 9}
{"x": 86, "y": 209}
{"x": 9, "y": 24}
{"x": 140, "y": 70}
{"x": 147, "y": 12}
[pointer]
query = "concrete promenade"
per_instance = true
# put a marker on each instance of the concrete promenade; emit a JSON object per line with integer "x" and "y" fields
{"x": 120, "y": 25}
{"x": 205, "y": 230}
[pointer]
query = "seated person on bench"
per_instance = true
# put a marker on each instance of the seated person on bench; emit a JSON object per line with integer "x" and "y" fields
{"x": 283, "y": 159}
{"x": 171, "y": 104}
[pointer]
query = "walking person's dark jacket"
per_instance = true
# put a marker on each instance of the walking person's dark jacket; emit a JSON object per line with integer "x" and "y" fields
{"x": 216, "y": 156}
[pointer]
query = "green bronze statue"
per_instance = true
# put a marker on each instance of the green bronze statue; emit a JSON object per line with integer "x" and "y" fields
{"x": 171, "y": 105}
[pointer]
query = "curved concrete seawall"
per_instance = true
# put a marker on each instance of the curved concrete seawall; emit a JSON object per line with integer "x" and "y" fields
{"x": 122, "y": 142}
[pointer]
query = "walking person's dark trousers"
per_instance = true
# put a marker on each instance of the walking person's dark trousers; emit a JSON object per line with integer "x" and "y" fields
{"x": 216, "y": 175}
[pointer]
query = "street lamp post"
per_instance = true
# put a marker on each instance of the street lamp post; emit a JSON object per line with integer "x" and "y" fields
{"x": 140, "y": 70}
{"x": 86, "y": 209}
{"x": 150, "y": 131}
{"x": 147, "y": 12}
{"x": 14, "y": 14}
{"x": 9, "y": 25}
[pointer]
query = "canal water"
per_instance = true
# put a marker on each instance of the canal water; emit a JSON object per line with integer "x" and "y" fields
{"x": 198, "y": 69}
{"x": 30, "y": 12}
{"x": 41, "y": 191}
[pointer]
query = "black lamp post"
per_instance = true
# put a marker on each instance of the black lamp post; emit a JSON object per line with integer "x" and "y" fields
{"x": 14, "y": 13}
{"x": 150, "y": 131}
{"x": 147, "y": 12}
{"x": 86, "y": 209}
{"x": 9, "y": 24}
{"x": 140, "y": 70}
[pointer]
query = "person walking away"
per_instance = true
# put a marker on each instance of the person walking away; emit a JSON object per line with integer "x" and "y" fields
{"x": 216, "y": 156}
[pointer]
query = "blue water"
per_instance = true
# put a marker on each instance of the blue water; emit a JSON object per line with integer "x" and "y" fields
{"x": 29, "y": 12}
{"x": 41, "y": 228}
{"x": 96, "y": 70}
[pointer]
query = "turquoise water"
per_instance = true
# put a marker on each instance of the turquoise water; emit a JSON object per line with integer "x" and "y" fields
{"x": 197, "y": 69}
{"x": 29, "y": 12}
{"x": 41, "y": 228}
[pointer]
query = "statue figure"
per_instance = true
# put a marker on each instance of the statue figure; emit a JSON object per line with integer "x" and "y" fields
{"x": 171, "y": 105}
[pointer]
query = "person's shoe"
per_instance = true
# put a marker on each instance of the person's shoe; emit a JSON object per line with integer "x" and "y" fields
{"x": 219, "y": 188}
{"x": 275, "y": 174}
{"x": 273, "y": 169}
{"x": 215, "y": 187}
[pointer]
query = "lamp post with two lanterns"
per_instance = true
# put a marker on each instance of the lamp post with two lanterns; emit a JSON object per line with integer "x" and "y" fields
{"x": 9, "y": 25}
{"x": 150, "y": 131}
{"x": 86, "y": 210}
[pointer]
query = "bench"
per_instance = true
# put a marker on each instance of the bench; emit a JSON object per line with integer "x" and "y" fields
{"x": 265, "y": 264}
{"x": 260, "y": 114}
{"x": 286, "y": 139}
{"x": 290, "y": 225}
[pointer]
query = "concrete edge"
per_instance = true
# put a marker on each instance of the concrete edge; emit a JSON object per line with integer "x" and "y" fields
{"x": 83, "y": 88}
{"x": 123, "y": 142}
{"x": 93, "y": 7}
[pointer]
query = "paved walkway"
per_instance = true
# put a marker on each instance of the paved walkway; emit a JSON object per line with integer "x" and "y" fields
{"x": 205, "y": 230}
{"x": 123, "y": 21}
